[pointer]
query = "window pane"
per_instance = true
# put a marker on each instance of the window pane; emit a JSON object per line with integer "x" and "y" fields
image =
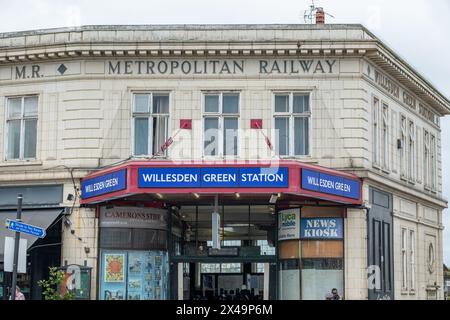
{"x": 161, "y": 104}
{"x": 211, "y": 136}
{"x": 281, "y": 103}
{"x": 319, "y": 276}
{"x": 301, "y": 103}
{"x": 31, "y": 106}
{"x": 140, "y": 136}
{"x": 14, "y": 107}
{"x": 141, "y": 102}
{"x": 212, "y": 103}
{"x": 282, "y": 134}
{"x": 301, "y": 136}
{"x": 30, "y": 139}
{"x": 230, "y": 103}
{"x": 13, "y": 139}
{"x": 159, "y": 132}
{"x": 230, "y": 136}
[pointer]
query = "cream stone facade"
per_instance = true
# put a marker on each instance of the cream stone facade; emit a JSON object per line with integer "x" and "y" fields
{"x": 85, "y": 79}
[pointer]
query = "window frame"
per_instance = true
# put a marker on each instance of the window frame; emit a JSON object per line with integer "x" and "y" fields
{"x": 291, "y": 117}
{"x": 221, "y": 116}
{"x": 427, "y": 159}
{"x": 149, "y": 116}
{"x": 384, "y": 137}
{"x": 412, "y": 260}
{"x": 376, "y": 143}
{"x": 404, "y": 257}
{"x": 433, "y": 162}
{"x": 403, "y": 151}
{"x": 22, "y": 119}
{"x": 411, "y": 154}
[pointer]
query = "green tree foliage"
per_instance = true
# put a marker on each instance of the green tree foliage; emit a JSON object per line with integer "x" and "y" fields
{"x": 52, "y": 285}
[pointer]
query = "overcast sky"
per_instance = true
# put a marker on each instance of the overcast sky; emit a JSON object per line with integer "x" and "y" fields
{"x": 418, "y": 30}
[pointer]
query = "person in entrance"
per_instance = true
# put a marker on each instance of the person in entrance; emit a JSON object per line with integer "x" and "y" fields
{"x": 333, "y": 295}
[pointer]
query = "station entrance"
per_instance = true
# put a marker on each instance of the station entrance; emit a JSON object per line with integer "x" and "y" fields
{"x": 244, "y": 268}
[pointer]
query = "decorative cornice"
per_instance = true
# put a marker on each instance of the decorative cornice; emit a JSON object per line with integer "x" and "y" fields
{"x": 176, "y": 50}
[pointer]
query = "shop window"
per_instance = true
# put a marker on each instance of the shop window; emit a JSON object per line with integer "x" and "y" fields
{"x": 292, "y": 115}
{"x": 220, "y": 124}
{"x": 133, "y": 275}
{"x": 320, "y": 276}
{"x": 21, "y": 126}
{"x": 150, "y": 122}
{"x": 289, "y": 279}
{"x": 133, "y": 239}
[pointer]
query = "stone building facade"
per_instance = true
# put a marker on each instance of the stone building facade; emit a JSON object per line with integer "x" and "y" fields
{"x": 75, "y": 102}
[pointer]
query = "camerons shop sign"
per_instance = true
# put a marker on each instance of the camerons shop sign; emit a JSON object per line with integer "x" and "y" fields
{"x": 133, "y": 217}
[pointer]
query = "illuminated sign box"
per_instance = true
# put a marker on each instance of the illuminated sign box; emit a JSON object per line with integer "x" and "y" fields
{"x": 330, "y": 184}
{"x": 103, "y": 184}
{"x": 222, "y": 177}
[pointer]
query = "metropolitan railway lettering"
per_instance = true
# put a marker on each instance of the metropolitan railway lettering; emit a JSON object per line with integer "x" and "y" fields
{"x": 138, "y": 67}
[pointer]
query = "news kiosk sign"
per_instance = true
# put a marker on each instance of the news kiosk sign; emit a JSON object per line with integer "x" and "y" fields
{"x": 107, "y": 183}
{"x": 321, "y": 228}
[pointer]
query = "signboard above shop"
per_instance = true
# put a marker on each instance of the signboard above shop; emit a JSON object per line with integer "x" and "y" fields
{"x": 321, "y": 228}
{"x": 133, "y": 217}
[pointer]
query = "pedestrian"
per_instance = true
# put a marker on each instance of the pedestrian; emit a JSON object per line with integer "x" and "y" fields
{"x": 333, "y": 295}
{"x": 19, "y": 294}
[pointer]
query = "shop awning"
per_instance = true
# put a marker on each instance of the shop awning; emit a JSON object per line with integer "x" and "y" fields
{"x": 221, "y": 177}
{"x": 41, "y": 218}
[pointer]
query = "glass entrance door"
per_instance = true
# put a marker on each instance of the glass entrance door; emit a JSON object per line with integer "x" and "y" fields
{"x": 240, "y": 269}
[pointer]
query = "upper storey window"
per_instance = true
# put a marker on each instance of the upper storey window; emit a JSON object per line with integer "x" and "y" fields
{"x": 292, "y": 123}
{"x": 21, "y": 127}
{"x": 220, "y": 123}
{"x": 376, "y": 131}
{"x": 151, "y": 122}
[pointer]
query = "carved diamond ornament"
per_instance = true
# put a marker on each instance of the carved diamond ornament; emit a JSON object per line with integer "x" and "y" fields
{"x": 62, "y": 68}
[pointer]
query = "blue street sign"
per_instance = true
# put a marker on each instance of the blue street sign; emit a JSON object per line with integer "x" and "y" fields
{"x": 18, "y": 226}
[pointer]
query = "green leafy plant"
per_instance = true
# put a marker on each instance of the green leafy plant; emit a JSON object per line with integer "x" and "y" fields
{"x": 52, "y": 286}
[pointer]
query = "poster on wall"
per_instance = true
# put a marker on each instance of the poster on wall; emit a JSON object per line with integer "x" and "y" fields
{"x": 144, "y": 275}
{"x": 289, "y": 224}
{"x": 114, "y": 267}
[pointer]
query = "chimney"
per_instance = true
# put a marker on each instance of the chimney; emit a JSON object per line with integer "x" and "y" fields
{"x": 320, "y": 16}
